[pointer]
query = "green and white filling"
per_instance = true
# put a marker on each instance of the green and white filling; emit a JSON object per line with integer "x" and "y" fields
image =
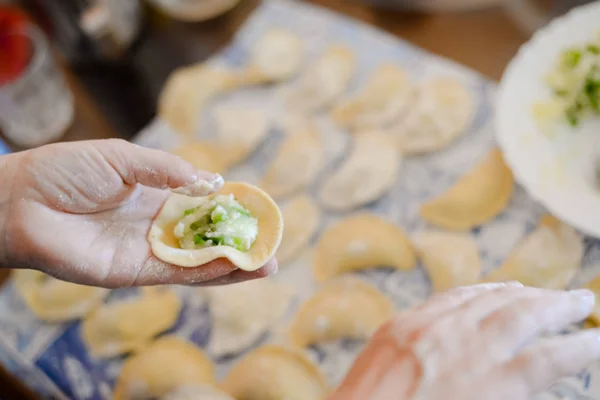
{"x": 575, "y": 82}
{"x": 220, "y": 222}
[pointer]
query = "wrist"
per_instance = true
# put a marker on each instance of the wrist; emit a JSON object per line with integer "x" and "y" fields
{"x": 8, "y": 169}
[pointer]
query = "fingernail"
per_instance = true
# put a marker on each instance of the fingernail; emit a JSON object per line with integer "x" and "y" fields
{"x": 587, "y": 297}
{"x": 202, "y": 186}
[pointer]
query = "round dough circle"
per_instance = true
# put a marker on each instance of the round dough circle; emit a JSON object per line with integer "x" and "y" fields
{"x": 270, "y": 230}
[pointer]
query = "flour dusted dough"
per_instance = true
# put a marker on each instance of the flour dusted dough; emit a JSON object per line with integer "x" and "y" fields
{"x": 53, "y": 300}
{"x": 476, "y": 198}
{"x": 130, "y": 325}
{"x": 276, "y": 56}
{"x": 324, "y": 82}
{"x": 188, "y": 90}
{"x": 203, "y": 156}
{"x": 382, "y": 101}
{"x": 547, "y": 258}
{"x": 367, "y": 174}
{"x": 166, "y": 365}
{"x": 197, "y": 392}
{"x": 301, "y": 218}
{"x": 362, "y": 241}
{"x": 240, "y": 130}
{"x": 450, "y": 258}
{"x": 165, "y": 245}
{"x": 275, "y": 373}
{"x": 297, "y": 163}
{"x": 345, "y": 308}
{"x": 438, "y": 115}
{"x": 242, "y": 313}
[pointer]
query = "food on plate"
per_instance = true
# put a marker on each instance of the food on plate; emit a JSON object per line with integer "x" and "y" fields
{"x": 130, "y": 325}
{"x": 297, "y": 162}
{"x": 345, "y": 308}
{"x": 275, "y": 373}
{"x": 575, "y": 84}
{"x": 187, "y": 92}
{"x": 166, "y": 365}
{"x": 382, "y": 100}
{"x": 54, "y": 300}
{"x": 436, "y": 116}
{"x": 277, "y": 56}
{"x": 476, "y": 198}
{"x": 301, "y": 219}
{"x": 369, "y": 171}
{"x": 547, "y": 258}
{"x": 450, "y": 258}
{"x": 361, "y": 241}
{"x": 324, "y": 81}
{"x": 245, "y": 312}
{"x": 240, "y": 223}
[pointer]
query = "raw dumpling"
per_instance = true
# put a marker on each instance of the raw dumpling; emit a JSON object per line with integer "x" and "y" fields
{"x": 276, "y": 56}
{"x": 438, "y": 115}
{"x": 240, "y": 130}
{"x": 244, "y": 312}
{"x": 324, "y": 81}
{"x": 197, "y": 392}
{"x": 451, "y": 259}
{"x": 168, "y": 364}
{"x": 244, "y": 224}
{"x": 594, "y": 286}
{"x": 345, "y": 308}
{"x": 275, "y": 373}
{"x": 203, "y": 156}
{"x": 367, "y": 174}
{"x": 301, "y": 218}
{"x": 476, "y": 198}
{"x": 382, "y": 101}
{"x": 188, "y": 90}
{"x": 130, "y": 325}
{"x": 547, "y": 258}
{"x": 359, "y": 242}
{"x": 53, "y": 300}
{"x": 297, "y": 163}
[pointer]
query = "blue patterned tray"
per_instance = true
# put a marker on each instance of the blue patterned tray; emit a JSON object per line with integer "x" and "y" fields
{"x": 52, "y": 359}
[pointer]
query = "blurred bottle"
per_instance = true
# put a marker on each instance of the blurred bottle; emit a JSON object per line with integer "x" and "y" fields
{"x": 98, "y": 38}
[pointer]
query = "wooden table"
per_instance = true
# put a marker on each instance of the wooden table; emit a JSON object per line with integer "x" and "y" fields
{"x": 484, "y": 40}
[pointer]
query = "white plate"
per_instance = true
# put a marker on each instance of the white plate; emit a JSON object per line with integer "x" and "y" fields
{"x": 558, "y": 172}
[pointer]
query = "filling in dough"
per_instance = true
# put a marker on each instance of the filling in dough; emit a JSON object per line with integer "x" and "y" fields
{"x": 222, "y": 221}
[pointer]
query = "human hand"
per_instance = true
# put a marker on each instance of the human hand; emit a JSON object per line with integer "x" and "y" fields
{"x": 474, "y": 343}
{"x": 81, "y": 212}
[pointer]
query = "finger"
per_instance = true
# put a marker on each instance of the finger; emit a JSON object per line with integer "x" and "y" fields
{"x": 157, "y": 272}
{"x": 157, "y": 169}
{"x": 413, "y": 322}
{"x": 242, "y": 276}
{"x": 543, "y": 364}
{"x": 522, "y": 319}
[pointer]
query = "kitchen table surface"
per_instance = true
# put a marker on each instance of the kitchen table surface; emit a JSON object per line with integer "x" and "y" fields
{"x": 484, "y": 40}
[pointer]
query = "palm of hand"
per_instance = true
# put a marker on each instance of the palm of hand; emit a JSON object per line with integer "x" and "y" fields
{"x": 80, "y": 221}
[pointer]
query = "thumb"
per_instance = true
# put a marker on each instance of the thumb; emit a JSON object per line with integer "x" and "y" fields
{"x": 157, "y": 169}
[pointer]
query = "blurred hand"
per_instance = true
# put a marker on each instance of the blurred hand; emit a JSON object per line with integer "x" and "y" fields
{"x": 82, "y": 211}
{"x": 474, "y": 343}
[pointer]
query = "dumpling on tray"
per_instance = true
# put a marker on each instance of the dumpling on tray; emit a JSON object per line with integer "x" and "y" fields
{"x": 345, "y": 308}
{"x": 359, "y": 242}
{"x": 275, "y": 373}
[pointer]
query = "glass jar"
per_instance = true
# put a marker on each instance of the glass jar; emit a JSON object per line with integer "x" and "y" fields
{"x": 37, "y": 106}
